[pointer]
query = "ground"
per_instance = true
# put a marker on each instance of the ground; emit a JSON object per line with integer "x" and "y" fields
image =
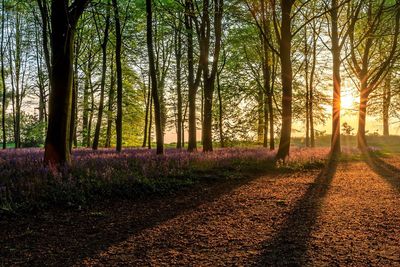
{"x": 345, "y": 215}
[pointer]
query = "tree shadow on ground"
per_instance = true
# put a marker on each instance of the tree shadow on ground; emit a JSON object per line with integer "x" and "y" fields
{"x": 289, "y": 246}
{"x": 66, "y": 238}
{"x": 390, "y": 173}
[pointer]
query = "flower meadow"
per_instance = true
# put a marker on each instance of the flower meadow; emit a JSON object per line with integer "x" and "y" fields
{"x": 26, "y": 183}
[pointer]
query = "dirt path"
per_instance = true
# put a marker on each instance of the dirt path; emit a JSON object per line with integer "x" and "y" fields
{"x": 347, "y": 216}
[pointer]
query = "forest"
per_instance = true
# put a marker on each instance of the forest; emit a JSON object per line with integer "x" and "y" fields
{"x": 200, "y": 132}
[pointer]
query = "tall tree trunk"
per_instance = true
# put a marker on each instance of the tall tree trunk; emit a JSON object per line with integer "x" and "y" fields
{"x": 3, "y": 77}
{"x": 110, "y": 102}
{"x": 63, "y": 23}
{"x": 266, "y": 119}
{"x": 74, "y": 110}
{"x": 178, "y": 58}
{"x": 153, "y": 77}
{"x": 90, "y": 110}
{"x": 85, "y": 113}
{"x": 103, "y": 80}
{"x": 266, "y": 66}
{"x": 193, "y": 82}
{"x": 270, "y": 105}
{"x": 146, "y": 120}
{"x": 311, "y": 93}
{"x": 307, "y": 104}
{"x": 75, "y": 87}
{"x": 209, "y": 75}
{"x": 150, "y": 123}
{"x": 362, "y": 114}
{"x": 387, "y": 95}
{"x": 335, "y": 138}
{"x": 286, "y": 77}
{"x": 260, "y": 114}
{"x": 118, "y": 45}
{"x": 220, "y": 113}
{"x": 17, "y": 61}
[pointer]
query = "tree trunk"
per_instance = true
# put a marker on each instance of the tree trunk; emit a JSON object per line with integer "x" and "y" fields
{"x": 63, "y": 23}
{"x": 266, "y": 119}
{"x": 85, "y": 113}
{"x": 286, "y": 77}
{"x": 178, "y": 58}
{"x": 103, "y": 80}
{"x": 362, "y": 114}
{"x": 260, "y": 115}
{"x": 220, "y": 115}
{"x": 192, "y": 83}
{"x": 118, "y": 45}
{"x": 207, "y": 115}
{"x": 74, "y": 110}
{"x": 307, "y": 104}
{"x": 335, "y": 138}
{"x": 110, "y": 103}
{"x": 146, "y": 120}
{"x": 209, "y": 75}
{"x": 311, "y": 93}
{"x": 150, "y": 122}
{"x": 387, "y": 95}
{"x": 3, "y": 78}
{"x": 153, "y": 77}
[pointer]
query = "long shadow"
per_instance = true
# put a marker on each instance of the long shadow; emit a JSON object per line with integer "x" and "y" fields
{"x": 66, "y": 238}
{"x": 289, "y": 246}
{"x": 390, "y": 173}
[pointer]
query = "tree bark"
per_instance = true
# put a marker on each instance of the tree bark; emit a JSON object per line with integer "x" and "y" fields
{"x": 146, "y": 119}
{"x": 193, "y": 82}
{"x": 110, "y": 103}
{"x": 386, "y": 101}
{"x": 307, "y": 104}
{"x": 118, "y": 45}
{"x": 220, "y": 113}
{"x": 335, "y": 138}
{"x": 178, "y": 59}
{"x": 286, "y": 77}
{"x": 63, "y": 23}
{"x": 3, "y": 77}
{"x": 209, "y": 75}
{"x": 260, "y": 115}
{"x": 85, "y": 113}
{"x": 103, "y": 80}
{"x": 153, "y": 77}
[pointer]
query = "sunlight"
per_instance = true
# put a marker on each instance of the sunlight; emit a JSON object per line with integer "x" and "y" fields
{"x": 348, "y": 101}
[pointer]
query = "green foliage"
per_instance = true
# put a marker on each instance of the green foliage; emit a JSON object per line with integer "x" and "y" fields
{"x": 33, "y": 132}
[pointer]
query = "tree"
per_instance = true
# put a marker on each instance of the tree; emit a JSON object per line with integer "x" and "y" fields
{"x": 153, "y": 77}
{"x": 103, "y": 78}
{"x": 178, "y": 59}
{"x": 64, "y": 18}
{"x": 386, "y": 101}
{"x": 285, "y": 44}
{"x": 3, "y": 76}
{"x": 118, "y": 45}
{"x": 369, "y": 67}
{"x": 193, "y": 79}
{"x": 209, "y": 75}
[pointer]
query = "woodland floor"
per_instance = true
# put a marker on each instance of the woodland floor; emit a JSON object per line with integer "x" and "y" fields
{"x": 348, "y": 215}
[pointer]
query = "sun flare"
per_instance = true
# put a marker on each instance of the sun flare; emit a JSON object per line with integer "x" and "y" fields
{"x": 348, "y": 101}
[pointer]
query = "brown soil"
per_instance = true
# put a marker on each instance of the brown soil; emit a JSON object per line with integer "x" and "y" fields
{"x": 346, "y": 215}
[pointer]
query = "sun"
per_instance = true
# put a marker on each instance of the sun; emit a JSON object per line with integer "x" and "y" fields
{"x": 347, "y": 101}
